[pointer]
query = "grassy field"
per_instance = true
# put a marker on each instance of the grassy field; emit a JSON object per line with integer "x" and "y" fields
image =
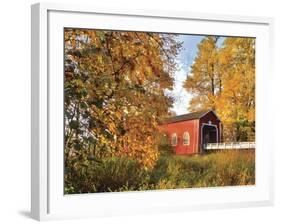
{"x": 228, "y": 168}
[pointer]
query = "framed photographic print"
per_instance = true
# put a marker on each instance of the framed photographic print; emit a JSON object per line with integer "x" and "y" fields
{"x": 148, "y": 111}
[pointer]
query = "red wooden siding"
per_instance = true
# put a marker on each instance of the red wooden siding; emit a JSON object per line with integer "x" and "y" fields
{"x": 179, "y": 128}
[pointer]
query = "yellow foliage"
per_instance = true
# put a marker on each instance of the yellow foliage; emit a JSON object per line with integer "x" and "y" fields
{"x": 223, "y": 79}
{"x": 116, "y": 91}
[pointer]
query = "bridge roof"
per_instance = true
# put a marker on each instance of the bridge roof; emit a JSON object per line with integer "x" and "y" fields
{"x": 189, "y": 116}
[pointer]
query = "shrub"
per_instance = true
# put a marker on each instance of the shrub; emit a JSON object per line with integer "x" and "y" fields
{"x": 111, "y": 174}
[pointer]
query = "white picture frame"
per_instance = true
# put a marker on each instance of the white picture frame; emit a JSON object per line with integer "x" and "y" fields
{"x": 47, "y": 198}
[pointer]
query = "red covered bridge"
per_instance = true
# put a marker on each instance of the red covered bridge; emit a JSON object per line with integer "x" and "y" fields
{"x": 188, "y": 133}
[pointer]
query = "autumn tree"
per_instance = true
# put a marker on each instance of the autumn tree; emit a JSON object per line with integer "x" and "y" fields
{"x": 236, "y": 106}
{"x": 114, "y": 93}
{"x": 204, "y": 82}
{"x": 223, "y": 78}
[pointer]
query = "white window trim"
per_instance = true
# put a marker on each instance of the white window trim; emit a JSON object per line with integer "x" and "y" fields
{"x": 186, "y": 134}
{"x": 174, "y": 135}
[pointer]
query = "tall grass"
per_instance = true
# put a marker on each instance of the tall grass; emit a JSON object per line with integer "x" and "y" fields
{"x": 228, "y": 168}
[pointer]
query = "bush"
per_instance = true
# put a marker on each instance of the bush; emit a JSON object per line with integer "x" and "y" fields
{"x": 111, "y": 174}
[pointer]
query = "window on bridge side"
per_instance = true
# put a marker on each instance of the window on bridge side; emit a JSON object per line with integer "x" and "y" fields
{"x": 174, "y": 139}
{"x": 186, "y": 138}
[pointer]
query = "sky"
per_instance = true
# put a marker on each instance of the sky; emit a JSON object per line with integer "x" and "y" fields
{"x": 185, "y": 60}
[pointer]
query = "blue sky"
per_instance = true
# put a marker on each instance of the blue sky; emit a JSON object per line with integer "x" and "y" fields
{"x": 185, "y": 60}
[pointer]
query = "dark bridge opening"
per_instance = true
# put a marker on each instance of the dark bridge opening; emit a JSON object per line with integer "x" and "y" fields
{"x": 209, "y": 134}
